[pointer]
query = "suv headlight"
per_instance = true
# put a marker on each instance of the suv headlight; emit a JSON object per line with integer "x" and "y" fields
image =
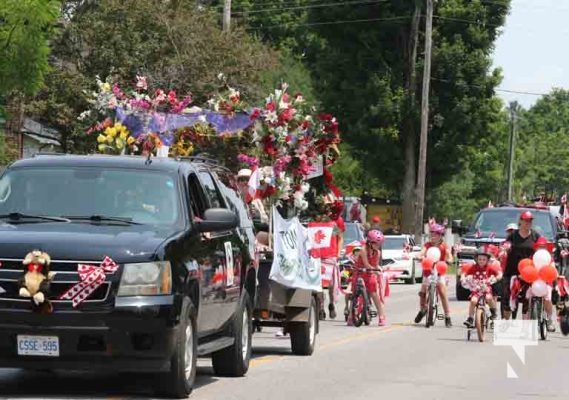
{"x": 146, "y": 279}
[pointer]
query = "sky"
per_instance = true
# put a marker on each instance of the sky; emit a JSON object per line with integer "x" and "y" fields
{"x": 533, "y": 49}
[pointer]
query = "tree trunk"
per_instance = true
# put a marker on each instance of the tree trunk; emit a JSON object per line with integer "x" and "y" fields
{"x": 409, "y": 131}
{"x": 14, "y": 120}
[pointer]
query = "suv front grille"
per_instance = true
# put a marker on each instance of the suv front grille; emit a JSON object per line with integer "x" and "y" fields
{"x": 66, "y": 276}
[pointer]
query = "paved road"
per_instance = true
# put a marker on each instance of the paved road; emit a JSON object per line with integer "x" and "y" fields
{"x": 400, "y": 361}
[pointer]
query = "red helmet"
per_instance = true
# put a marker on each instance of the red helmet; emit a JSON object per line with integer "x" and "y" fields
{"x": 375, "y": 236}
{"x": 543, "y": 242}
{"x": 526, "y": 216}
{"x": 492, "y": 250}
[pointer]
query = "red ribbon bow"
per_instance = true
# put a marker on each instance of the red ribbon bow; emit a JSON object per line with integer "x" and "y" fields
{"x": 91, "y": 277}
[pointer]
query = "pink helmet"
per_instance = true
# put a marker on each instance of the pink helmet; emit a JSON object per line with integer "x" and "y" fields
{"x": 437, "y": 229}
{"x": 375, "y": 236}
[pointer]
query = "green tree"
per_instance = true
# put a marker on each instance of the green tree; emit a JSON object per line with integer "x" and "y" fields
{"x": 25, "y": 30}
{"x": 174, "y": 43}
{"x": 364, "y": 72}
{"x": 542, "y": 147}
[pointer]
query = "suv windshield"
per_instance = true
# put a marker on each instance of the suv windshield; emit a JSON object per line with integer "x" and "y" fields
{"x": 147, "y": 197}
{"x": 393, "y": 243}
{"x": 494, "y": 221}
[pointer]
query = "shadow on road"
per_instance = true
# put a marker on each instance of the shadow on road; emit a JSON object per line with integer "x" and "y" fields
{"x": 82, "y": 385}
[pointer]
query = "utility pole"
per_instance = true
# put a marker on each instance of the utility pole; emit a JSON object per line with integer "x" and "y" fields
{"x": 422, "y": 168}
{"x": 226, "y": 15}
{"x": 513, "y": 109}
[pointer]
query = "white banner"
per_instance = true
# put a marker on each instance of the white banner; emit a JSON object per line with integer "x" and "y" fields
{"x": 292, "y": 265}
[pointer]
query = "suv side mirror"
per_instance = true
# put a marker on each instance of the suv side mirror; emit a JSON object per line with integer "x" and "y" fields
{"x": 217, "y": 219}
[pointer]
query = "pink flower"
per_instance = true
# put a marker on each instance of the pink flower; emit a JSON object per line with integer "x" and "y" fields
{"x": 172, "y": 98}
{"x": 178, "y": 108}
{"x": 285, "y": 98}
{"x": 117, "y": 92}
{"x": 286, "y": 115}
{"x": 160, "y": 96}
{"x": 271, "y": 107}
{"x": 256, "y": 113}
{"x": 141, "y": 83}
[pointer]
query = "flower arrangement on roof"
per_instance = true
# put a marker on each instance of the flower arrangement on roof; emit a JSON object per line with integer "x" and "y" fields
{"x": 292, "y": 143}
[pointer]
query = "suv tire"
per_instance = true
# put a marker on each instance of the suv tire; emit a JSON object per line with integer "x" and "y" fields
{"x": 234, "y": 360}
{"x": 179, "y": 381}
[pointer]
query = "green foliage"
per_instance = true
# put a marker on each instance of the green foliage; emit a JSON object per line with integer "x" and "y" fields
{"x": 453, "y": 199}
{"x": 542, "y": 148}
{"x": 24, "y": 33}
{"x": 350, "y": 176}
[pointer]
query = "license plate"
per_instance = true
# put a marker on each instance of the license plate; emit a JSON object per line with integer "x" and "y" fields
{"x": 47, "y": 346}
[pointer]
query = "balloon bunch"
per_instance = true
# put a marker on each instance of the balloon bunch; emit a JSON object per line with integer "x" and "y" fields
{"x": 432, "y": 258}
{"x": 538, "y": 271}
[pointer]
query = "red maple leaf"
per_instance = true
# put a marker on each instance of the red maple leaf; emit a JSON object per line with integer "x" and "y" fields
{"x": 319, "y": 236}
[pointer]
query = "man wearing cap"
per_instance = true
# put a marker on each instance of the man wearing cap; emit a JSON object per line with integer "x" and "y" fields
{"x": 518, "y": 245}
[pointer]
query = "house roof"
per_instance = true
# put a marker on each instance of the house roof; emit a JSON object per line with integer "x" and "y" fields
{"x": 42, "y": 139}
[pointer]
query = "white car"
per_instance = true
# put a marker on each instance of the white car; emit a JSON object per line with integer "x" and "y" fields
{"x": 398, "y": 253}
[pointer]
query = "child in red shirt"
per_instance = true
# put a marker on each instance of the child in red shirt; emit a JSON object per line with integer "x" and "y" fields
{"x": 481, "y": 271}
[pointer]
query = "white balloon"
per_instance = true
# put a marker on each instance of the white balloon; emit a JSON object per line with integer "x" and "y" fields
{"x": 541, "y": 258}
{"x": 434, "y": 254}
{"x": 539, "y": 288}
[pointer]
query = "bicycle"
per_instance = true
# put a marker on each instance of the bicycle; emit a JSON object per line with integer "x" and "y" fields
{"x": 482, "y": 316}
{"x": 433, "y": 299}
{"x": 360, "y": 303}
{"x": 537, "y": 312}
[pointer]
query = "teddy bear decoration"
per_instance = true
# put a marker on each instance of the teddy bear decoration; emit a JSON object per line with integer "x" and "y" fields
{"x": 35, "y": 283}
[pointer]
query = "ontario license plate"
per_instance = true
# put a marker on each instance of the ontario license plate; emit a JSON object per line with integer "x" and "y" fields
{"x": 47, "y": 346}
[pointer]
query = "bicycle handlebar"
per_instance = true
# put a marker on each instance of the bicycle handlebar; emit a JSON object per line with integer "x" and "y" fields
{"x": 364, "y": 269}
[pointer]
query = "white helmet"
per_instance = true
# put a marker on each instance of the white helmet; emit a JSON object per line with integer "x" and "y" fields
{"x": 244, "y": 173}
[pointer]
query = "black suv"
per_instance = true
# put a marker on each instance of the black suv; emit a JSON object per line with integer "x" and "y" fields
{"x": 489, "y": 226}
{"x": 182, "y": 243}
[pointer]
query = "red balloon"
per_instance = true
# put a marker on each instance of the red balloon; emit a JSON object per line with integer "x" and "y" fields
{"x": 442, "y": 267}
{"x": 524, "y": 263}
{"x": 529, "y": 274}
{"x": 427, "y": 264}
{"x": 548, "y": 273}
{"x": 464, "y": 267}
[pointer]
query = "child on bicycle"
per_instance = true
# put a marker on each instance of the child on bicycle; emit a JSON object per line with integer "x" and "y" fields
{"x": 481, "y": 271}
{"x": 436, "y": 240}
{"x": 543, "y": 243}
{"x": 346, "y": 274}
{"x": 370, "y": 257}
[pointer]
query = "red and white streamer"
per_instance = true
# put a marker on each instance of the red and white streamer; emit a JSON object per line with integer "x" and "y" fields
{"x": 91, "y": 277}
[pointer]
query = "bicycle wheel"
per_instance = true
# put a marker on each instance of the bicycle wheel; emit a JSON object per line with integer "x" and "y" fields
{"x": 542, "y": 319}
{"x": 359, "y": 307}
{"x": 432, "y": 303}
{"x": 479, "y": 323}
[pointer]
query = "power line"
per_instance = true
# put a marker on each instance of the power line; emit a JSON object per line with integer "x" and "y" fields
{"x": 496, "y": 89}
{"x": 320, "y": 5}
{"x": 294, "y": 25}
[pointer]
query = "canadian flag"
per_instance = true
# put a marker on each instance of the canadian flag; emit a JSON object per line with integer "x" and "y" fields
{"x": 320, "y": 234}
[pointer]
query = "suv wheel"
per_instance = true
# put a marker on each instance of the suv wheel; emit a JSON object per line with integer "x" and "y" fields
{"x": 462, "y": 294}
{"x": 179, "y": 381}
{"x": 234, "y": 360}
